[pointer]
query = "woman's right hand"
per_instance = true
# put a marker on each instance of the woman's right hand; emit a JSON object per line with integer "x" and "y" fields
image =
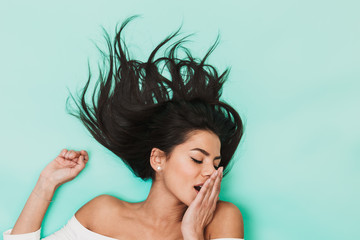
{"x": 65, "y": 167}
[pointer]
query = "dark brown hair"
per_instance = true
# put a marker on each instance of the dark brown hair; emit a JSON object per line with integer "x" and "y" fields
{"x": 137, "y": 108}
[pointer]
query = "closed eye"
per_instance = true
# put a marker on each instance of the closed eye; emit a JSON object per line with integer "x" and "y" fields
{"x": 199, "y": 162}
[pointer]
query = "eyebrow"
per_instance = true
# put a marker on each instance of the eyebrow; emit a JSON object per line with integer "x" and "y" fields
{"x": 205, "y": 152}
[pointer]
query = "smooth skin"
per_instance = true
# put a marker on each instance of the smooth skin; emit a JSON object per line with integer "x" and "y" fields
{"x": 69, "y": 164}
{"x": 201, "y": 210}
{"x": 205, "y": 217}
{"x": 65, "y": 167}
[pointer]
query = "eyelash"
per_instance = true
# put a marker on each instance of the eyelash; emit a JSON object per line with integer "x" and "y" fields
{"x": 199, "y": 162}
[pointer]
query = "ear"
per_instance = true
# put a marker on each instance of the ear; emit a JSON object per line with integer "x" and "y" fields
{"x": 157, "y": 159}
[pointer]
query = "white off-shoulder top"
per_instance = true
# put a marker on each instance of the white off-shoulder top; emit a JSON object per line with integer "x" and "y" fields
{"x": 73, "y": 230}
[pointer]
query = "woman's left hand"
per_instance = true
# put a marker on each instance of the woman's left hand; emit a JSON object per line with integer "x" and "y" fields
{"x": 200, "y": 211}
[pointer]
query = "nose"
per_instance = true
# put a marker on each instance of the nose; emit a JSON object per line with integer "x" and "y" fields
{"x": 207, "y": 170}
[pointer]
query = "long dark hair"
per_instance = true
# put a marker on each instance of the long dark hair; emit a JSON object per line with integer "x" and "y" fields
{"x": 137, "y": 108}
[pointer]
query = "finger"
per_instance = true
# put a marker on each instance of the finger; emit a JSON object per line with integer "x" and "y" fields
{"x": 81, "y": 164}
{"x": 201, "y": 194}
{"x": 67, "y": 162}
{"x": 216, "y": 189}
{"x": 214, "y": 195}
{"x": 86, "y": 155}
{"x": 211, "y": 185}
{"x": 86, "y": 158}
{"x": 70, "y": 163}
{"x": 63, "y": 152}
{"x": 75, "y": 154}
{"x": 67, "y": 154}
{"x": 72, "y": 154}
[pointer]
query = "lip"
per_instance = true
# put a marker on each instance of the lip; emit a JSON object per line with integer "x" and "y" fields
{"x": 198, "y": 185}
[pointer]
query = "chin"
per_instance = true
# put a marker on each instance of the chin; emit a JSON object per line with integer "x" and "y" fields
{"x": 186, "y": 201}
{"x": 189, "y": 200}
{"x": 185, "y": 197}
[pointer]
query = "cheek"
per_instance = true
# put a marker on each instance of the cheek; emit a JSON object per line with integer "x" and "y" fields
{"x": 181, "y": 176}
{"x": 186, "y": 170}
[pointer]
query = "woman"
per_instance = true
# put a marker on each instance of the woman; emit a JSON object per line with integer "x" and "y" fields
{"x": 176, "y": 133}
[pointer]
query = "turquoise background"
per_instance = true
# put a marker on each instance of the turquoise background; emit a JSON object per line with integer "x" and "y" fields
{"x": 295, "y": 80}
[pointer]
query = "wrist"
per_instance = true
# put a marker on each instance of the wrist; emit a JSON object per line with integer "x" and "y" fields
{"x": 45, "y": 188}
{"x": 193, "y": 236}
{"x": 47, "y": 183}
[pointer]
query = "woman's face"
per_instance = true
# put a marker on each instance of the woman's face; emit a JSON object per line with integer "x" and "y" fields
{"x": 181, "y": 171}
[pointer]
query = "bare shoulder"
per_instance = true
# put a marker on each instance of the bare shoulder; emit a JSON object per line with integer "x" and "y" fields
{"x": 98, "y": 208}
{"x": 226, "y": 223}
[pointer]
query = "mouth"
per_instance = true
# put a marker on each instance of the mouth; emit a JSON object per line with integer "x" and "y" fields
{"x": 198, "y": 187}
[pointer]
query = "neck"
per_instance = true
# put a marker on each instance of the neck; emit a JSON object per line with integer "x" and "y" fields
{"x": 161, "y": 207}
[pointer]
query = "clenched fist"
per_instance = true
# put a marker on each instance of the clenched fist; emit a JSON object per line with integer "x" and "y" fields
{"x": 65, "y": 167}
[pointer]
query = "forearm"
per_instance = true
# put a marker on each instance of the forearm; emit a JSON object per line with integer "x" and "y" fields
{"x": 35, "y": 208}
